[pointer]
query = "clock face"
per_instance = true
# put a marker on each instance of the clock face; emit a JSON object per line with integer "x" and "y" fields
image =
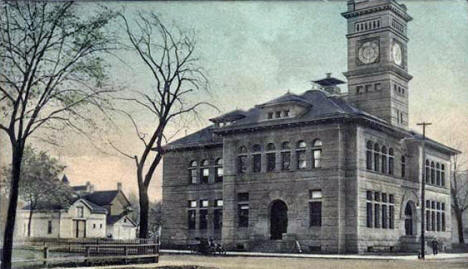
{"x": 368, "y": 52}
{"x": 396, "y": 53}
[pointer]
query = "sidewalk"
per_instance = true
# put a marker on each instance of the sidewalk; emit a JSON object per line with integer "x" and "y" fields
{"x": 398, "y": 256}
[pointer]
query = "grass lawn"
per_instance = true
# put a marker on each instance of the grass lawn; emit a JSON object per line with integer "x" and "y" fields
{"x": 304, "y": 263}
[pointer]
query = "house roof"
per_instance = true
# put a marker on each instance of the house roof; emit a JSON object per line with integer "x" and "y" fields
{"x": 79, "y": 188}
{"x": 101, "y": 198}
{"x": 112, "y": 219}
{"x": 55, "y": 206}
{"x": 205, "y": 136}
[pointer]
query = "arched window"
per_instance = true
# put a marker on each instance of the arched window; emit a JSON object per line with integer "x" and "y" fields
{"x": 432, "y": 173}
{"x": 438, "y": 174}
{"x": 257, "y": 158}
{"x": 242, "y": 160}
{"x": 442, "y": 175}
{"x": 271, "y": 157}
{"x": 219, "y": 170}
{"x": 403, "y": 166}
{"x": 428, "y": 172}
{"x": 376, "y": 157}
{"x": 301, "y": 155}
{"x": 193, "y": 172}
{"x": 384, "y": 160}
{"x": 390, "y": 161}
{"x": 316, "y": 153}
{"x": 204, "y": 172}
{"x": 285, "y": 156}
{"x": 369, "y": 155}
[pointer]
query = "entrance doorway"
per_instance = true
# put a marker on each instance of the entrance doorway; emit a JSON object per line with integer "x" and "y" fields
{"x": 278, "y": 220}
{"x": 409, "y": 219}
{"x": 79, "y": 228}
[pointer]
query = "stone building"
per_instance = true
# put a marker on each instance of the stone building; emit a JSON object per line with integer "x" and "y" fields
{"x": 322, "y": 171}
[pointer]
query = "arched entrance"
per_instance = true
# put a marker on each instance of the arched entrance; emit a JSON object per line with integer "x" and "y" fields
{"x": 409, "y": 218}
{"x": 278, "y": 219}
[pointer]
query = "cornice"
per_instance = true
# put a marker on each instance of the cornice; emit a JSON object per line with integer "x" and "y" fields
{"x": 377, "y": 70}
{"x": 392, "y": 7}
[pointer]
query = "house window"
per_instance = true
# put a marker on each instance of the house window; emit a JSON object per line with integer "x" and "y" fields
{"x": 384, "y": 160}
{"x": 49, "y": 227}
{"x": 219, "y": 170}
{"x": 376, "y": 157}
{"x": 369, "y": 209}
{"x": 192, "y": 203}
{"x": 438, "y": 174}
{"x": 242, "y": 160}
{"x": 286, "y": 113}
{"x": 377, "y": 87}
{"x": 219, "y": 202}
{"x": 100, "y": 226}
{"x": 278, "y": 114}
{"x": 403, "y": 166}
{"x": 380, "y": 207}
{"x": 301, "y": 155}
{"x": 203, "y": 219}
{"x": 204, "y": 172}
{"x": 243, "y": 209}
{"x": 270, "y": 115}
{"x": 390, "y": 161}
{"x": 435, "y": 216}
{"x": 257, "y": 159}
{"x": 271, "y": 157}
{"x": 217, "y": 219}
{"x": 432, "y": 173}
{"x": 192, "y": 215}
{"x": 369, "y": 155}
{"x": 442, "y": 175}
{"x": 377, "y": 215}
{"x": 391, "y": 212}
{"x": 315, "y": 208}
{"x": 368, "y": 88}
{"x": 358, "y": 89}
{"x": 94, "y": 225}
{"x": 285, "y": 156}
{"x": 384, "y": 216}
{"x": 193, "y": 172}
{"x": 204, "y": 203}
{"x": 80, "y": 212}
{"x": 316, "y": 153}
{"x": 427, "y": 174}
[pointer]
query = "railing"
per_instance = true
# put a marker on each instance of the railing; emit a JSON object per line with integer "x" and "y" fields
{"x": 99, "y": 251}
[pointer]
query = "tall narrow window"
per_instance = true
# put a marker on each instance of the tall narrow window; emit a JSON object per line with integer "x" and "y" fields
{"x": 369, "y": 155}
{"x": 242, "y": 160}
{"x": 376, "y": 157}
{"x": 432, "y": 173}
{"x": 191, "y": 219}
{"x": 285, "y": 156}
{"x": 384, "y": 160}
{"x": 369, "y": 209}
{"x": 384, "y": 216}
{"x": 390, "y": 161}
{"x": 301, "y": 155}
{"x": 219, "y": 170}
{"x": 203, "y": 219}
{"x": 193, "y": 172}
{"x": 443, "y": 216}
{"x": 442, "y": 175}
{"x": 391, "y": 212}
{"x": 316, "y": 153}
{"x": 271, "y": 157}
{"x": 217, "y": 218}
{"x": 80, "y": 212}
{"x": 243, "y": 209}
{"x": 377, "y": 216}
{"x": 204, "y": 172}
{"x": 315, "y": 208}
{"x": 403, "y": 166}
{"x": 438, "y": 174}
{"x": 256, "y": 158}
{"x": 428, "y": 172}
{"x": 49, "y": 227}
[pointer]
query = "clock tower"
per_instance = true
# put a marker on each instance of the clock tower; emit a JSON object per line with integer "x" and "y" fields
{"x": 377, "y": 59}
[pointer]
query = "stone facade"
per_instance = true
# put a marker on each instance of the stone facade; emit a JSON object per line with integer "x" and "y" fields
{"x": 321, "y": 171}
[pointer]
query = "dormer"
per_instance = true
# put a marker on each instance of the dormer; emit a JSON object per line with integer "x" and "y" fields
{"x": 228, "y": 118}
{"x": 284, "y": 107}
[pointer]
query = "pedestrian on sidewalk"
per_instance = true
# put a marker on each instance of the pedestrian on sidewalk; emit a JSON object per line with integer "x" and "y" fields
{"x": 435, "y": 247}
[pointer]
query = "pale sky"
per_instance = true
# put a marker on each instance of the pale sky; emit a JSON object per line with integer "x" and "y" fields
{"x": 255, "y": 51}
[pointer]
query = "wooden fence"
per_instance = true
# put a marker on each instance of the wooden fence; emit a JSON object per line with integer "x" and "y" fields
{"x": 95, "y": 251}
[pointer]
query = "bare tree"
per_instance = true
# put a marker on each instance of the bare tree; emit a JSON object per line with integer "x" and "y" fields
{"x": 51, "y": 73}
{"x": 459, "y": 193}
{"x": 40, "y": 183}
{"x": 169, "y": 56}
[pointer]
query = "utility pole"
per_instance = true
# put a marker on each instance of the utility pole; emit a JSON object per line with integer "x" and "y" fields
{"x": 423, "y": 187}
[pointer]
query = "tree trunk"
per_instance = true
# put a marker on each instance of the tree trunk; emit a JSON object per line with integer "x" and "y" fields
{"x": 459, "y": 217}
{"x": 30, "y": 220}
{"x": 144, "y": 207}
{"x": 12, "y": 204}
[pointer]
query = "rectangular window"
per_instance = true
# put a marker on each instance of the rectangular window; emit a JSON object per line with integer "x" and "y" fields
{"x": 193, "y": 176}
{"x": 278, "y": 114}
{"x": 80, "y": 212}
{"x": 443, "y": 221}
{"x": 369, "y": 215}
{"x": 49, "y": 227}
{"x": 219, "y": 174}
{"x": 369, "y": 195}
{"x": 377, "y": 216}
{"x": 438, "y": 221}
{"x": 391, "y": 217}
{"x": 301, "y": 159}
{"x": 217, "y": 219}
{"x": 315, "y": 212}
{"x": 257, "y": 163}
{"x": 316, "y": 158}
{"x": 390, "y": 165}
{"x": 384, "y": 217}
{"x": 286, "y": 113}
{"x": 377, "y": 86}
{"x": 219, "y": 202}
{"x": 204, "y": 175}
{"x": 242, "y": 164}
{"x": 271, "y": 161}
{"x": 376, "y": 161}
{"x": 203, "y": 219}
{"x": 368, "y": 88}
{"x": 191, "y": 219}
{"x": 433, "y": 221}
{"x": 285, "y": 160}
{"x": 243, "y": 197}
{"x": 204, "y": 203}
{"x": 192, "y": 203}
{"x": 369, "y": 160}
{"x": 358, "y": 89}
{"x": 243, "y": 215}
{"x": 315, "y": 194}
{"x": 428, "y": 220}
{"x": 270, "y": 115}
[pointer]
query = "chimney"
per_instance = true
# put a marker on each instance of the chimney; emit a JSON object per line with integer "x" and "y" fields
{"x": 88, "y": 186}
{"x": 119, "y": 186}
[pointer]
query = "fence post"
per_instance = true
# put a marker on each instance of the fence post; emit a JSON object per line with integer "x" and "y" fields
{"x": 88, "y": 254}
{"x": 45, "y": 254}
{"x": 126, "y": 253}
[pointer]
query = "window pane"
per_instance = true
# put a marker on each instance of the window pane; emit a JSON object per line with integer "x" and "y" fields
{"x": 203, "y": 219}
{"x": 369, "y": 215}
{"x": 257, "y": 163}
{"x": 315, "y": 212}
{"x": 285, "y": 160}
{"x": 301, "y": 161}
{"x": 271, "y": 161}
